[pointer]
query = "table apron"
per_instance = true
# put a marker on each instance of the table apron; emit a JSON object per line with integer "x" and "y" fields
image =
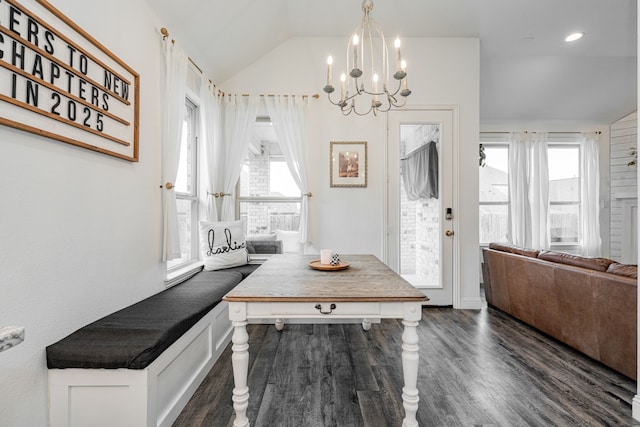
{"x": 239, "y": 311}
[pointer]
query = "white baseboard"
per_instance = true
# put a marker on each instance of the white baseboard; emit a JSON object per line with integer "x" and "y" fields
{"x": 635, "y": 407}
{"x": 471, "y": 303}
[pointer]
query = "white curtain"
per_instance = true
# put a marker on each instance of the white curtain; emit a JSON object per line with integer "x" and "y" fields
{"x": 590, "y": 195}
{"x": 420, "y": 172}
{"x": 528, "y": 190}
{"x": 539, "y": 191}
{"x": 211, "y": 120}
{"x": 287, "y": 116}
{"x": 240, "y": 117}
{"x": 519, "y": 210}
{"x": 173, "y": 101}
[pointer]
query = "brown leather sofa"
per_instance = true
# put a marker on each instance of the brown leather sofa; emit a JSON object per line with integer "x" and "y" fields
{"x": 589, "y": 304}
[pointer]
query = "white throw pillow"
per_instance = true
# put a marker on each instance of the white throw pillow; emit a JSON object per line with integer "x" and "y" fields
{"x": 223, "y": 244}
{"x": 290, "y": 241}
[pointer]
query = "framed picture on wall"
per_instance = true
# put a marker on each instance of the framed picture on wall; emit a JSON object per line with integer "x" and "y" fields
{"x": 348, "y": 164}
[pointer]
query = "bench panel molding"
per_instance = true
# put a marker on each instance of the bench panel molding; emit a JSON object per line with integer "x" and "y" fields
{"x": 154, "y": 396}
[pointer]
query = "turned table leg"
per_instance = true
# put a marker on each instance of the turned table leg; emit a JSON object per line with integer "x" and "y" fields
{"x": 279, "y": 324}
{"x": 410, "y": 359}
{"x": 366, "y": 324}
{"x": 240, "y": 361}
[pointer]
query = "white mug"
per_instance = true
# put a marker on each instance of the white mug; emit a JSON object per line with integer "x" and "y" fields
{"x": 325, "y": 256}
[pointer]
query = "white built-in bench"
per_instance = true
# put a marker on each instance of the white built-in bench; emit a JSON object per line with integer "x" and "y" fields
{"x": 139, "y": 366}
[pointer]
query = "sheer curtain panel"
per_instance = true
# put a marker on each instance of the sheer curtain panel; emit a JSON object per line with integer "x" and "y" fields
{"x": 539, "y": 190}
{"x": 287, "y": 116}
{"x": 529, "y": 190}
{"x": 211, "y": 120}
{"x": 519, "y": 208}
{"x": 173, "y": 101}
{"x": 239, "y": 117}
{"x": 590, "y": 195}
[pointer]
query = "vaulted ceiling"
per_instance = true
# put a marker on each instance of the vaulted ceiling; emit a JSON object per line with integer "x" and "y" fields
{"x": 527, "y": 71}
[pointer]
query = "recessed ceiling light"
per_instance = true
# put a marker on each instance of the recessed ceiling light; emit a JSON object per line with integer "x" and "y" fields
{"x": 573, "y": 37}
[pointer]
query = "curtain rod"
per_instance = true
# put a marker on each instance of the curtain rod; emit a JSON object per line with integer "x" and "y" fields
{"x": 165, "y": 35}
{"x": 597, "y": 132}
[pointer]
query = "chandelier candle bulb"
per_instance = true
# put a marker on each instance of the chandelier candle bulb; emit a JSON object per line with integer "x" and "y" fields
{"x": 405, "y": 85}
{"x": 375, "y": 87}
{"x": 343, "y": 79}
{"x": 329, "y": 64}
{"x": 398, "y": 54}
{"x": 356, "y": 40}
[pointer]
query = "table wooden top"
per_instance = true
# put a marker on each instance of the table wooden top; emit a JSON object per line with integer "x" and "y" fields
{"x": 288, "y": 278}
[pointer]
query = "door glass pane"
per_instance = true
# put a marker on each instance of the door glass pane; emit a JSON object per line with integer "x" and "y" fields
{"x": 419, "y": 205}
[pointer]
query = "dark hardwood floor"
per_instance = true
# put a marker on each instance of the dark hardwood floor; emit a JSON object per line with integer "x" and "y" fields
{"x": 477, "y": 368}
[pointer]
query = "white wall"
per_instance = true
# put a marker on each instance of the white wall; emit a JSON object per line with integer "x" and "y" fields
{"x": 351, "y": 220}
{"x": 624, "y": 186}
{"x": 79, "y": 231}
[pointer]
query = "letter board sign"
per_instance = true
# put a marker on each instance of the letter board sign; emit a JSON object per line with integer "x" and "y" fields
{"x": 59, "y": 82}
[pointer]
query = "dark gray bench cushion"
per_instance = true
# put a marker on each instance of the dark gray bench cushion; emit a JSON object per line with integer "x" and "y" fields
{"x": 245, "y": 270}
{"x": 136, "y": 335}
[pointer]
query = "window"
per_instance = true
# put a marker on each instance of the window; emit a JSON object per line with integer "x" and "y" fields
{"x": 564, "y": 193}
{"x": 269, "y": 198}
{"x": 564, "y": 190}
{"x": 187, "y": 191}
{"x": 494, "y": 193}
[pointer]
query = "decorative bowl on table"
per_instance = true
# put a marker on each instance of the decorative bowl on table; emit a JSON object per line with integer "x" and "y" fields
{"x": 317, "y": 265}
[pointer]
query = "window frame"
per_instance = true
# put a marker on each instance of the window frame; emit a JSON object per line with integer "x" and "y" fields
{"x": 560, "y": 143}
{"x": 177, "y": 270}
{"x": 558, "y": 140}
{"x": 264, "y": 199}
{"x": 496, "y": 142}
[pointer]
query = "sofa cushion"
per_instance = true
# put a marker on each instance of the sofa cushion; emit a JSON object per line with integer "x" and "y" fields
{"x": 514, "y": 249}
{"x": 598, "y": 264}
{"x": 628, "y": 270}
{"x": 135, "y": 336}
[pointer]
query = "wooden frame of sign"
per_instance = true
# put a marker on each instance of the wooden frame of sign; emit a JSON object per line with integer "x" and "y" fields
{"x": 57, "y": 81}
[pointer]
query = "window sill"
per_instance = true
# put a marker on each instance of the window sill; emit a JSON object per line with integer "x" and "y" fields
{"x": 181, "y": 274}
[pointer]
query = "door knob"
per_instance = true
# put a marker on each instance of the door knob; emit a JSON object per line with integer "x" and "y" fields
{"x": 448, "y": 233}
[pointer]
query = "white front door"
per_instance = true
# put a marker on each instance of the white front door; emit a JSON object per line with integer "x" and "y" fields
{"x": 420, "y": 216}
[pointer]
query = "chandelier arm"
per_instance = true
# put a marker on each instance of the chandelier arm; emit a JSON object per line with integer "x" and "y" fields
{"x": 397, "y": 89}
{"x": 385, "y": 51}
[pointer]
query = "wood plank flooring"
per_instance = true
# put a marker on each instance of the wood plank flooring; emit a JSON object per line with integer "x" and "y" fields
{"x": 477, "y": 368}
